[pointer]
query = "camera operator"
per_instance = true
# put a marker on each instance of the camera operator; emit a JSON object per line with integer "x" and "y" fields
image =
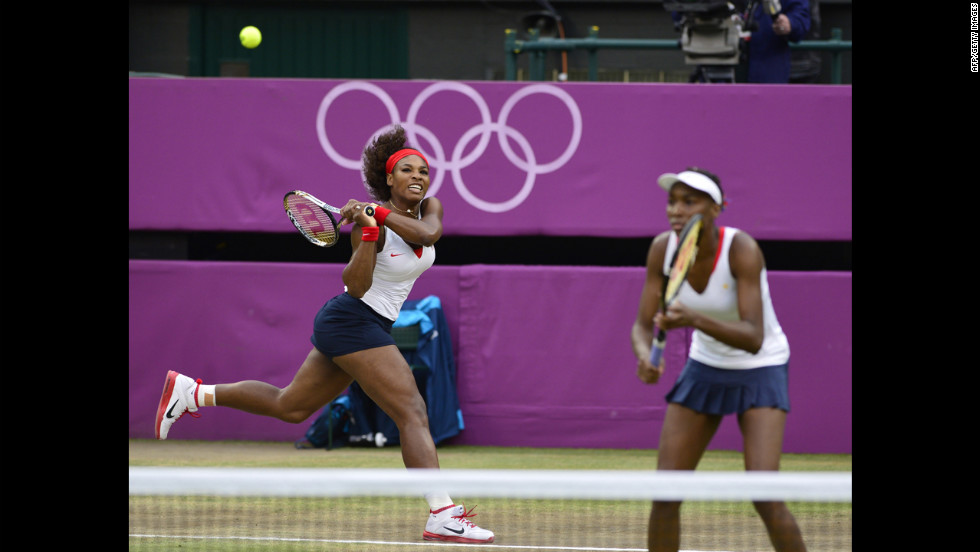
{"x": 768, "y": 50}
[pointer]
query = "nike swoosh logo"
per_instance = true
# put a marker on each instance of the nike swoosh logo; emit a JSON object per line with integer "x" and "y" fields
{"x": 460, "y": 532}
{"x": 170, "y": 413}
{"x": 396, "y": 254}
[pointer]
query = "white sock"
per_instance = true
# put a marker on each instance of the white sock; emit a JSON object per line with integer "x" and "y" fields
{"x": 438, "y": 501}
{"x": 205, "y": 396}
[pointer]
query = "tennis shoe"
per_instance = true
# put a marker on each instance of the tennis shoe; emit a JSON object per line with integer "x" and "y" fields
{"x": 179, "y": 397}
{"x": 450, "y": 524}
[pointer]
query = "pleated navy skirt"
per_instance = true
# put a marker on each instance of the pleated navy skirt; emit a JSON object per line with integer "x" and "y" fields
{"x": 709, "y": 390}
{"x": 345, "y": 325}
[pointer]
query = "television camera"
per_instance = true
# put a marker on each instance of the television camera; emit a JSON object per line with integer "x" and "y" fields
{"x": 713, "y": 33}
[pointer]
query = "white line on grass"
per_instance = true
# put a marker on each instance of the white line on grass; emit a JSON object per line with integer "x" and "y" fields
{"x": 395, "y": 543}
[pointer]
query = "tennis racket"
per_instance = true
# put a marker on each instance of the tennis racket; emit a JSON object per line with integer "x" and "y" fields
{"x": 687, "y": 250}
{"x": 314, "y": 218}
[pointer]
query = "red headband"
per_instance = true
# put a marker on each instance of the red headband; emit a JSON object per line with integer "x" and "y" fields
{"x": 390, "y": 165}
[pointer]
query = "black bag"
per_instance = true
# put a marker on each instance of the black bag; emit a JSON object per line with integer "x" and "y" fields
{"x": 331, "y": 428}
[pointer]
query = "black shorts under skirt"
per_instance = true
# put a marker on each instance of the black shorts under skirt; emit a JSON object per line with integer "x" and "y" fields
{"x": 345, "y": 325}
{"x": 709, "y": 390}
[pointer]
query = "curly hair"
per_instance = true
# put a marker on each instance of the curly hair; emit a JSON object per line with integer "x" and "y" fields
{"x": 375, "y": 156}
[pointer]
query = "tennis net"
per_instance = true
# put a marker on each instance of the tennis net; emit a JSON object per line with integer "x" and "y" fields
{"x": 383, "y": 510}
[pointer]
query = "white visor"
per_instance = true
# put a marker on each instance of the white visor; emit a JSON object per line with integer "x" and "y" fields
{"x": 693, "y": 179}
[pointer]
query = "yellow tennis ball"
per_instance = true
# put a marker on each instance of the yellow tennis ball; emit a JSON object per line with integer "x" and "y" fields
{"x": 250, "y": 37}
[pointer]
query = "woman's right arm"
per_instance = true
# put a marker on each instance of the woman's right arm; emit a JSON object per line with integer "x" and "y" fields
{"x": 358, "y": 275}
{"x": 641, "y": 335}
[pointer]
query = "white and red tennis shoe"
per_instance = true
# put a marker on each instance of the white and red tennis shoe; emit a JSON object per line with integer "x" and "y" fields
{"x": 450, "y": 524}
{"x": 179, "y": 397}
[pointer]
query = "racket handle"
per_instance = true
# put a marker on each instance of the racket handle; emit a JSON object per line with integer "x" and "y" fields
{"x": 369, "y": 211}
{"x": 657, "y": 352}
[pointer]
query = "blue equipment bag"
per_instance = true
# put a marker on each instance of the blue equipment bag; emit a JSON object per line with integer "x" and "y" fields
{"x": 331, "y": 428}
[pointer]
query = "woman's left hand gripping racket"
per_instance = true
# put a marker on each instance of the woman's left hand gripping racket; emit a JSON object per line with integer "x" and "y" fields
{"x": 314, "y": 218}
{"x": 687, "y": 250}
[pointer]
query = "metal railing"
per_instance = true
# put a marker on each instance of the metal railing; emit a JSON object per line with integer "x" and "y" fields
{"x": 537, "y": 48}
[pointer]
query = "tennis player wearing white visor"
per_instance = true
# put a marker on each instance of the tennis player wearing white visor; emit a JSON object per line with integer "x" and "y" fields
{"x": 738, "y": 361}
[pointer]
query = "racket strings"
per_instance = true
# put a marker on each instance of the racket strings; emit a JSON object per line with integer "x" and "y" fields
{"x": 311, "y": 220}
{"x": 686, "y": 254}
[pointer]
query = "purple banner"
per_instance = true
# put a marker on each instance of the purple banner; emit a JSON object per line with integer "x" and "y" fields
{"x": 506, "y": 158}
{"x": 533, "y": 369}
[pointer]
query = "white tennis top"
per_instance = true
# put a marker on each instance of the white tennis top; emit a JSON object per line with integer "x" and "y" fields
{"x": 395, "y": 272}
{"x": 720, "y": 300}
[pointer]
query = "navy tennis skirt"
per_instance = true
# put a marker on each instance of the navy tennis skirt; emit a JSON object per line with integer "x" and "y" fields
{"x": 345, "y": 325}
{"x": 709, "y": 390}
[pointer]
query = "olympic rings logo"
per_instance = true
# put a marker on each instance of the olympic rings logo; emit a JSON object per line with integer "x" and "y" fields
{"x": 456, "y": 162}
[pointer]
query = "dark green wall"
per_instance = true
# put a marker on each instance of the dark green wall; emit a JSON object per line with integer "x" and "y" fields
{"x": 406, "y": 39}
{"x": 299, "y": 42}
